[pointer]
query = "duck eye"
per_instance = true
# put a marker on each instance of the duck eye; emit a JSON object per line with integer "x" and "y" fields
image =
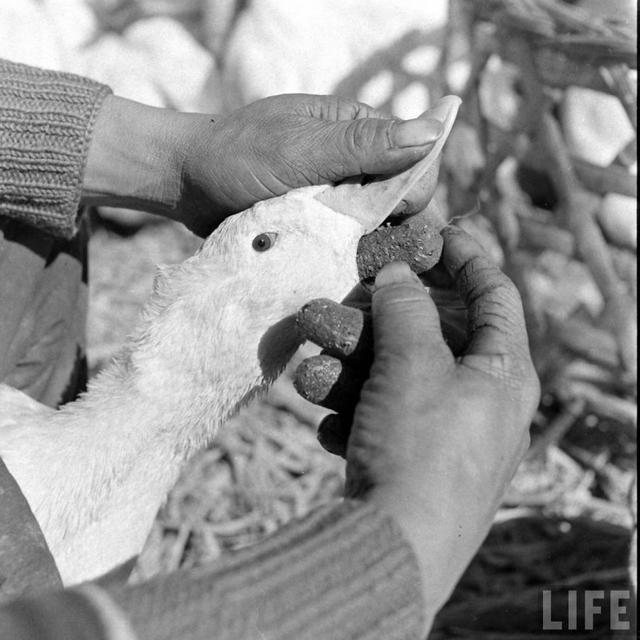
{"x": 264, "y": 241}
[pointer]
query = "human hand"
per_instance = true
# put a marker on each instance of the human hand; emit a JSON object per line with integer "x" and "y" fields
{"x": 199, "y": 169}
{"x": 288, "y": 141}
{"x": 435, "y": 439}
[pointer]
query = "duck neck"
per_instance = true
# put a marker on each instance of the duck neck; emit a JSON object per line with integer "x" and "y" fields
{"x": 118, "y": 451}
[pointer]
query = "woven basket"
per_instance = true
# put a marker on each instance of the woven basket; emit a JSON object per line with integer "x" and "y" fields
{"x": 554, "y": 46}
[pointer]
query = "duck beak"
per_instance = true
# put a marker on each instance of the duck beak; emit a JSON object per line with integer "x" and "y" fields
{"x": 372, "y": 203}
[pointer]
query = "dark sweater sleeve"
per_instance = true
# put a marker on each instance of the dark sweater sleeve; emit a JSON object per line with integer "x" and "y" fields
{"x": 26, "y": 564}
{"x": 343, "y": 572}
{"x": 46, "y": 120}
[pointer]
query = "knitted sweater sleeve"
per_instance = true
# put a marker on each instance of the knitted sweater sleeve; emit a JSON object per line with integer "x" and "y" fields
{"x": 343, "y": 572}
{"x": 46, "y": 120}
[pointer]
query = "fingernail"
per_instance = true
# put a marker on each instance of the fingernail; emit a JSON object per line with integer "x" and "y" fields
{"x": 440, "y": 110}
{"x": 415, "y": 133}
{"x": 395, "y": 273}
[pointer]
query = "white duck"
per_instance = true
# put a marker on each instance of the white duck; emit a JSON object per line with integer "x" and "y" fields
{"x": 216, "y": 330}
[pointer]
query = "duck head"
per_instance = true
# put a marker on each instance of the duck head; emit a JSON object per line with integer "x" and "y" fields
{"x": 224, "y": 318}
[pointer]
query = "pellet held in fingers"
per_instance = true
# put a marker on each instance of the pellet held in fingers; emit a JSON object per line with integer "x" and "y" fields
{"x": 316, "y": 376}
{"x": 419, "y": 246}
{"x": 327, "y": 381}
{"x": 340, "y": 330}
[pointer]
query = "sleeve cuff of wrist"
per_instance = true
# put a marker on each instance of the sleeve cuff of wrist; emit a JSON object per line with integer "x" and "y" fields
{"x": 46, "y": 122}
{"x": 344, "y": 571}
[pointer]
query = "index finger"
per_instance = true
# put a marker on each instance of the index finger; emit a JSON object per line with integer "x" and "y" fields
{"x": 496, "y": 322}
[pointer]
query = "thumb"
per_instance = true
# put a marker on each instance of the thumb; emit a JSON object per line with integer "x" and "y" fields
{"x": 380, "y": 145}
{"x": 406, "y": 325}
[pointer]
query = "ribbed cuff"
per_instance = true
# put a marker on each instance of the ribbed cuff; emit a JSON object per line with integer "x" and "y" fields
{"x": 46, "y": 121}
{"x": 345, "y": 571}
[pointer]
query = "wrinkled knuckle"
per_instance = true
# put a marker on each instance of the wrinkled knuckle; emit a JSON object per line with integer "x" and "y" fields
{"x": 479, "y": 276}
{"x": 360, "y": 137}
{"x": 512, "y": 370}
{"x": 472, "y": 274}
{"x": 508, "y": 369}
{"x": 330, "y": 107}
{"x": 346, "y": 107}
{"x": 499, "y": 286}
{"x": 500, "y": 319}
{"x": 474, "y": 265}
{"x": 509, "y": 292}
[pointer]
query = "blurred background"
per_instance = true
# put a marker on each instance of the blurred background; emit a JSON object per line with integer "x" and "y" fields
{"x": 541, "y": 168}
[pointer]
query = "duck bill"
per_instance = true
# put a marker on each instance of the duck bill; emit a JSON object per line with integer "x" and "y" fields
{"x": 372, "y": 203}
